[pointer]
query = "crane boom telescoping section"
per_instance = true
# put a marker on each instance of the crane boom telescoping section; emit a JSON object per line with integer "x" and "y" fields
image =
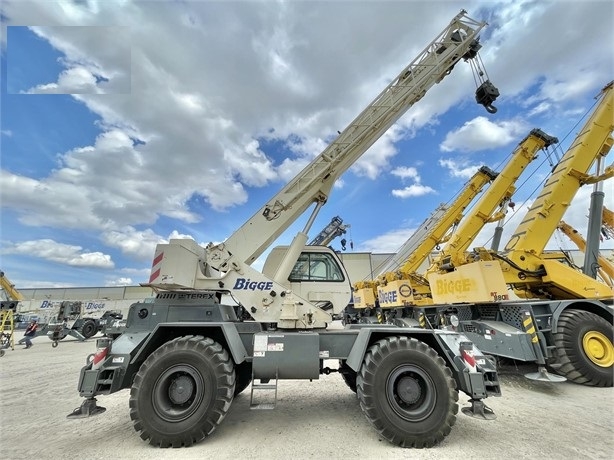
{"x": 226, "y": 266}
{"x": 498, "y": 195}
{"x": 593, "y": 140}
{"x": 335, "y": 228}
{"x": 459, "y": 40}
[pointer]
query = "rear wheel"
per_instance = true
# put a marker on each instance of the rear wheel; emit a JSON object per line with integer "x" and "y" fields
{"x": 88, "y": 329}
{"x": 407, "y": 392}
{"x": 584, "y": 345}
{"x": 182, "y": 392}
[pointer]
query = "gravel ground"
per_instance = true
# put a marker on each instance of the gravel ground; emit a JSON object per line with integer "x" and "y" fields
{"x": 319, "y": 419}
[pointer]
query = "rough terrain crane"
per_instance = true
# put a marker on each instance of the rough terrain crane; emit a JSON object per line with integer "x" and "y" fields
{"x": 186, "y": 355}
{"x": 401, "y": 290}
{"x": 335, "y": 228}
{"x": 490, "y": 208}
{"x": 415, "y": 251}
{"x": 564, "y": 321}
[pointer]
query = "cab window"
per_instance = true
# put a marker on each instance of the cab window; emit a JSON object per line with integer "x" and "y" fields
{"x": 315, "y": 266}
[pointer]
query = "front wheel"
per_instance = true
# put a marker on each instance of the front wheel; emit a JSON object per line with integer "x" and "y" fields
{"x": 584, "y": 345}
{"x": 182, "y": 392}
{"x": 407, "y": 392}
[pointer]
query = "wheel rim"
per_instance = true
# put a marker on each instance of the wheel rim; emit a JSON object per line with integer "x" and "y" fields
{"x": 410, "y": 392}
{"x": 598, "y": 348}
{"x": 178, "y": 393}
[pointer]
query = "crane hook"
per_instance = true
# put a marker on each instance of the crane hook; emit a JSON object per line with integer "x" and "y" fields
{"x": 486, "y": 94}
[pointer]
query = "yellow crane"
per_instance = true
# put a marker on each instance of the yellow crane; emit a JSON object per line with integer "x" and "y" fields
{"x": 8, "y": 305}
{"x": 552, "y": 314}
{"x": 430, "y": 233}
{"x": 404, "y": 287}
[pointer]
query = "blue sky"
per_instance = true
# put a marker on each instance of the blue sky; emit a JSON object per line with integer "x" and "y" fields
{"x": 126, "y": 123}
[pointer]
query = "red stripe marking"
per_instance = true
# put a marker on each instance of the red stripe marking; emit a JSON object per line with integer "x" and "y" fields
{"x": 157, "y": 259}
{"x": 154, "y": 275}
{"x": 469, "y": 359}
{"x": 100, "y": 355}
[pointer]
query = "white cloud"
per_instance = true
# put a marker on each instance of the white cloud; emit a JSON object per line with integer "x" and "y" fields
{"x": 73, "y": 80}
{"x": 483, "y": 134}
{"x": 122, "y": 281}
{"x": 96, "y": 59}
{"x": 388, "y": 242}
{"x": 51, "y": 250}
{"x": 405, "y": 172}
{"x": 459, "y": 168}
{"x": 413, "y": 190}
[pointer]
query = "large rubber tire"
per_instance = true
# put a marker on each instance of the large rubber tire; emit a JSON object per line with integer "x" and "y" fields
{"x": 243, "y": 373}
{"x": 407, "y": 392}
{"x": 182, "y": 392}
{"x": 584, "y": 345}
{"x": 348, "y": 375}
{"x": 88, "y": 329}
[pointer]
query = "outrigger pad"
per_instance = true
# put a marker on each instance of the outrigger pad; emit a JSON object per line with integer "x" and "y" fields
{"x": 87, "y": 409}
{"x": 479, "y": 410}
{"x": 542, "y": 375}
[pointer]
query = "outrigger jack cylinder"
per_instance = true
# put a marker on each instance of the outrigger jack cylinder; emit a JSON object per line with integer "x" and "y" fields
{"x": 87, "y": 409}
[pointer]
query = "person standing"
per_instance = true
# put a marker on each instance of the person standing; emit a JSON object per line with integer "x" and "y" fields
{"x": 30, "y": 333}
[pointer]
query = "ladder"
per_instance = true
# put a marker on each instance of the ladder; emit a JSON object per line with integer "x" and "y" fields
{"x": 7, "y": 328}
{"x": 264, "y": 387}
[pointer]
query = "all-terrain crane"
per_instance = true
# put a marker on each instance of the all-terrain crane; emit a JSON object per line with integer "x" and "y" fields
{"x": 564, "y": 318}
{"x": 402, "y": 267}
{"x": 186, "y": 355}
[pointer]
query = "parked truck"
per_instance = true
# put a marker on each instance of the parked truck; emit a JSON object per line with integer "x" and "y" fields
{"x": 218, "y": 325}
{"x": 72, "y": 320}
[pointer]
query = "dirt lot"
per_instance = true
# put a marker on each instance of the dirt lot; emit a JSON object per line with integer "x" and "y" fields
{"x": 319, "y": 419}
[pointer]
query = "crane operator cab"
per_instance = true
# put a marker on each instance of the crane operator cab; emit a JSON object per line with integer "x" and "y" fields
{"x": 318, "y": 275}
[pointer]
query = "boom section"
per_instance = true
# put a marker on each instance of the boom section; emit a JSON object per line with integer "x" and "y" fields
{"x": 9, "y": 288}
{"x": 459, "y": 40}
{"x": 593, "y": 141}
{"x": 498, "y": 195}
